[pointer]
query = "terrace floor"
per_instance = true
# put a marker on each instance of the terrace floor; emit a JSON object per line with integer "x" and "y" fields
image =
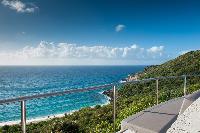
{"x": 159, "y": 118}
{"x": 188, "y": 121}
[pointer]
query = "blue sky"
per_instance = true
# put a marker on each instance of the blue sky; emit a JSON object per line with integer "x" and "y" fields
{"x": 97, "y": 32}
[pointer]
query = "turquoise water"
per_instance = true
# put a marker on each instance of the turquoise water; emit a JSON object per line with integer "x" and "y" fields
{"x": 23, "y": 81}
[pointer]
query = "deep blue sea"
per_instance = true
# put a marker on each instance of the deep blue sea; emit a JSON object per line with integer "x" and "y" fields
{"x": 24, "y": 81}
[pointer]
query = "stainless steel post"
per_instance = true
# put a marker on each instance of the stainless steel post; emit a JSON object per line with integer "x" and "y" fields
{"x": 184, "y": 90}
{"x": 23, "y": 116}
{"x": 157, "y": 91}
{"x": 185, "y": 85}
{"x": 114, "y": 107}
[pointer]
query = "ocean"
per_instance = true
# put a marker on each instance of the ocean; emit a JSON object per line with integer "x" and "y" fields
{"x": 18, "y": 81}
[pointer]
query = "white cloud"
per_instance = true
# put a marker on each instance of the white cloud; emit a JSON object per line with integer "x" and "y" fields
{"x": 155, "y": 51}
{"x": 19, "y": 6}
{"x": 71, "y": 54}
{"x": 119, "y": 27}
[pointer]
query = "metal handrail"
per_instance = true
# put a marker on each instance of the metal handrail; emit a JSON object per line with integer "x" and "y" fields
{"x": 23, "y": 99}
{"x": 37, "y": 96}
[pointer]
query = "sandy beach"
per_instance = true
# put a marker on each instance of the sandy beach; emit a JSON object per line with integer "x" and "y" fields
{"x": 35, "y": 120}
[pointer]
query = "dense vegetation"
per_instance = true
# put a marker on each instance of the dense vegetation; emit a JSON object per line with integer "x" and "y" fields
{"x": 188, "y": 63}
{"x": 132, "y": 98}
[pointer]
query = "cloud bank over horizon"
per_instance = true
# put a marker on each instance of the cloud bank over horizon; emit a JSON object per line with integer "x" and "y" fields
{"x": 48, "y": 53}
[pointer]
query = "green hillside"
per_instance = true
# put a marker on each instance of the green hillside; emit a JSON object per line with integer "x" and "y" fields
{"x": 132, "y": 98}
{"x": 188, "y": 63}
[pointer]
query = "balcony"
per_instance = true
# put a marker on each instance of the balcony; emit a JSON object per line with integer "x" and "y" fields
{"x": 163, "y": 102}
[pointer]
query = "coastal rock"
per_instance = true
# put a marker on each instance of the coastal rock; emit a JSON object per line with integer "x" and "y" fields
{"x": 108, "y": 93}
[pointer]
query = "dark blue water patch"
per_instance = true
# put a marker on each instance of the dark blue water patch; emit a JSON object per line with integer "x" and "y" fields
{"x": 23, "y": 81}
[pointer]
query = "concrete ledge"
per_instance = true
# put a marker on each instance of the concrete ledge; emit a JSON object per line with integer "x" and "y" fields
{"x": 159, "y": 118}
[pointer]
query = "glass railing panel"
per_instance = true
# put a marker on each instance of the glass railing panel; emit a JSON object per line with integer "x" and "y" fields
{"x": 193, "y": 84}
{"x": 10, "y": 114}
{"x": 170, "y": 88}
{"x": 133, "y": 98}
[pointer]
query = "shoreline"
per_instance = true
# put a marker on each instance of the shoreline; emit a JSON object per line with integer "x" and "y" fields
{"x": 49, "y": 117}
